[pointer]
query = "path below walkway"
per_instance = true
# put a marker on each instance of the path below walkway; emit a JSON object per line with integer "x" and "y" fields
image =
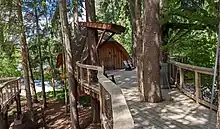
{"x": 179, "y": 113}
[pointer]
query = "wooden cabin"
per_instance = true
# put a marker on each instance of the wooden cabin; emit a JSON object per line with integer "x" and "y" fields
{"x": 112, "y": 54}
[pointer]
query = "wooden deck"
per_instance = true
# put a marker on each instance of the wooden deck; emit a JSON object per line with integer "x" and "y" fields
{"x": 180, "y": 112}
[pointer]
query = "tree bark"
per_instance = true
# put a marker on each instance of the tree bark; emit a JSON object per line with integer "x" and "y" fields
{"x": 150, "y": 89}
{"x": 70, "y": 64}
{"x": 41, "y": 59}
{"x": 50, "y": 61}
{"x": 135, "y": 10}
{"x": 93, "y": 54}
{"x": 35, "y": 100}
{"x": 218, "y": 75}
{"x": 24, "y": 53}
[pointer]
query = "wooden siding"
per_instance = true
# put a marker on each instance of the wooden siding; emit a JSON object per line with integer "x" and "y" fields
{"x": 112, "y": 55}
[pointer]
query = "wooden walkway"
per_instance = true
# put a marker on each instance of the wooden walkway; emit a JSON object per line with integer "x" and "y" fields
{"x": 180, "y": 112}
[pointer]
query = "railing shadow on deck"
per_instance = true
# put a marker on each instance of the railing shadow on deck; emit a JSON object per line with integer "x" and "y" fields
{"x": 114, "y": 110}
{"x": 181, "y": 112}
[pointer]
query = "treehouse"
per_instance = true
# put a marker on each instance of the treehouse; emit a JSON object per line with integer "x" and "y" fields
{"x": 111, "y": 54}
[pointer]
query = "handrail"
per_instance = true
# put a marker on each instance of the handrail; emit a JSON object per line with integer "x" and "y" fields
{"x": 203, "y": 70}
{"x": 121, "y": 116}
{"x": 198, "y": 71}
{"x": 2, "y": 80}
{"x": 4, "y": 84}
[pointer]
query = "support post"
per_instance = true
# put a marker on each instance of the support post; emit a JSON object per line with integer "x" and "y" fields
{"x": 95, "y": 110}
{"x": 5, "y": 116}
{"x": 181, "y": 78}
{"x": 100, "y": 104}
{"x": 18, "y": 106}
{"x": 198, "y": 86}
{"x": 2, "y": 122}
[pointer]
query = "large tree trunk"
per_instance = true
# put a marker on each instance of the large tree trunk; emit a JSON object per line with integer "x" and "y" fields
{"x": 135, "y": 10}
{"x": 70, "y": 64}
{"x": 24, "y": 53}
{"x": 35, "y": 100}
{"x": 218, "y": 87}
{"x": 41, "y": 59}
{"x": 218, "y": 76}
{"x": 93, "y": 54}
{"x": 150, "y": 84}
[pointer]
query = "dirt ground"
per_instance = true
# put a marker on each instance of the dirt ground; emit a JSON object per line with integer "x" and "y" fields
{"x": 57, "y": 118}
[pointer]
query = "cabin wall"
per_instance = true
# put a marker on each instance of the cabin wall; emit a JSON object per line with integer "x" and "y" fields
{"x": 111, "y": 55}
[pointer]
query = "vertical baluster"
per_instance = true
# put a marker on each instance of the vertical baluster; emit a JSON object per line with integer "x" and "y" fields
{"x": 11, "y": 84}
{"x": 7, "y": 93}
{"x": 1, "y": 96}
{"x": 14, "y": 86}
{"x": 198, "y": 86}
{"x": 181, "y": 78}
{"x": 81, "y": 76}
{"x": 88, "y": 77}
{"x": 77, "y": 72}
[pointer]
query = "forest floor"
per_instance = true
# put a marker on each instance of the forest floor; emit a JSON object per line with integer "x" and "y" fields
{"x": 55, "y": 117}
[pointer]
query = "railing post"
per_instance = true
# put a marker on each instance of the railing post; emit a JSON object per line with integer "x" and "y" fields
{"x": 101, "y": 105}
{"x": 88, "y": 77}
{"x": 1, "y": 97}
{"x": 2, "y": 122}
{"x": 181, "y": 78}
{"x": 198, "y": 86}
{"x": 81, "y": 76}
{"x": 77, "y": 73}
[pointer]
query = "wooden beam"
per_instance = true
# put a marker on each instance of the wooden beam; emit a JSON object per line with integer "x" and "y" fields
{"x": 198, "y": 86}
{"x": 100, "y": 39}
{"x": 109, "y": 37}
{"x": 181, "y": 78}
{"x": 104, "y": 26}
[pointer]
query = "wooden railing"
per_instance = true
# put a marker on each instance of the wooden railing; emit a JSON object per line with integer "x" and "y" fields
{"x": 8, "y": 91}
{"x": 176, "y": 75}
{"x": 2, "y": 80}
{"x": 114, "y": 111}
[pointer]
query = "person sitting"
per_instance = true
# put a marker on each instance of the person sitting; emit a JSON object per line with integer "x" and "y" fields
{"x": 127, "y": 66}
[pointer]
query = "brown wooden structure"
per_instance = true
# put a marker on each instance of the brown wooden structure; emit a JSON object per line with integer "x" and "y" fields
{"x": 114, "y": 111}
{"x": 9, "y": 93}
{"x": 177, "y": 75}
{"x": 112, "y": 54}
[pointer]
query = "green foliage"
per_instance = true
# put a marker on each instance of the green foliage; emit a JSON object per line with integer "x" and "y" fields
{"x": 9, "y": 64}
{"x": 116, "y": 12}
{"x": 196, "y": 42}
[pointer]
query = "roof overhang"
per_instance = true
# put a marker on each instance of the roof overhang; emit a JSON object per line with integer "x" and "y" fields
{"x": 104, "y": 26}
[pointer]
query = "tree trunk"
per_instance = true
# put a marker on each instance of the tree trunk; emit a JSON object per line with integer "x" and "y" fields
{"x": 50, "y": 61}
{"x": 218, "y": 76}
{"x": 70, "y": 64}
{"x": 41, "y": 60}
{"x": 24, "y": 53}
{"x": 35, "y": 100}
{"x": 93, "y": 54}
{"x": 150, "y": 89}
{"x": 218, "y": 93}
{"x": 135, "y": 10}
